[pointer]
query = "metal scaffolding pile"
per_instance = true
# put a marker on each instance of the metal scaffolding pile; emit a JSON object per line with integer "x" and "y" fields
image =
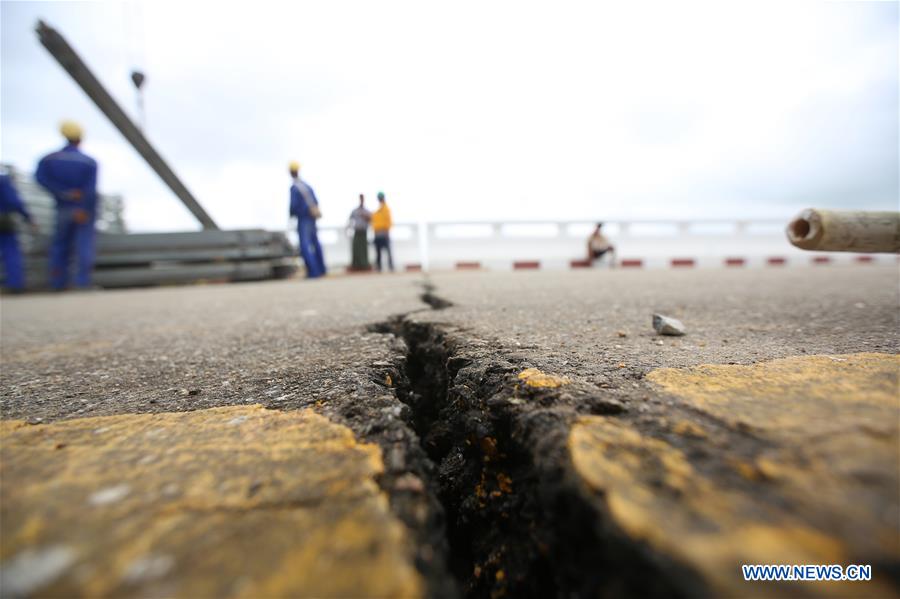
{"x": 130, "y": 259}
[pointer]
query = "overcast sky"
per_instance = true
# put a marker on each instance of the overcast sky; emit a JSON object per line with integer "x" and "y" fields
{"x": 474, "y": 111}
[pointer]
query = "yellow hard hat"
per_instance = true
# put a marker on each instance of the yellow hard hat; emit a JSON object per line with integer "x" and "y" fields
{"x": 294, "y": 166}
{"x": 71, "y": 130}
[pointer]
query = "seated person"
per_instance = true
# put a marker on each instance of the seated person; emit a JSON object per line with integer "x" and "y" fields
{"x": 599, "y": 245}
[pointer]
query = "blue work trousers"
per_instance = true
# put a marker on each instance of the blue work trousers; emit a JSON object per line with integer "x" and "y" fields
{"x": 13, "y": 266}
{"x": 310, "y": 248}
{"x": 68, "y": 235}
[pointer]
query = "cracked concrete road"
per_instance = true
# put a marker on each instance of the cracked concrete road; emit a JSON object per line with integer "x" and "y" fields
{"x": 136, "y": 460}
{"x": 186, "y": 348}
{"x": 770, "y": 433}
{"x": 643, "y": 456}
{"x": 571, "y": 321}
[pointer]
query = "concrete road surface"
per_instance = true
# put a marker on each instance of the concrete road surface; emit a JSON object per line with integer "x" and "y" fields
{"x": 514, "y": 434}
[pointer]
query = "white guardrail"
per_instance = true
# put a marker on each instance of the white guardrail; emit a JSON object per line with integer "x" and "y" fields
{"x": 556, "y": 245}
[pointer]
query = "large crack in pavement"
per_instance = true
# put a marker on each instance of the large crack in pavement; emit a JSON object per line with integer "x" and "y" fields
{"x": 513, "y": 518}
{"x": 516, "y": 469}
{"x": 431, "y": 298}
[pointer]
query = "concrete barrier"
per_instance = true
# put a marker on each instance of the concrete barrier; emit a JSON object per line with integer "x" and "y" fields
{"x": 526, "y": 265}
{"x": 468, "y": 265}
{"x": 682, "y": 263}
{"x": 497, "y": 244}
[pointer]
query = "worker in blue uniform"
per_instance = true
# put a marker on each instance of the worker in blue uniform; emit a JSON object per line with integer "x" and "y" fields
{"x": 305, "y": 207}
{"x": 71, "y": 177}
{"x": 10, "y": 204}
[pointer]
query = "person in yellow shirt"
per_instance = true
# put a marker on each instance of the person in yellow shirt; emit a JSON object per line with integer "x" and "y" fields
{"x": 381, "y": 225}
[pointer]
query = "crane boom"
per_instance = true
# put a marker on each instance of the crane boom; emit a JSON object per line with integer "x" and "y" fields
{"x": 66, "y": 56}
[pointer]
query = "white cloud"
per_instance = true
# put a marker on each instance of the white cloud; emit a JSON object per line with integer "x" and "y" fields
{"x": 474, "y": 111}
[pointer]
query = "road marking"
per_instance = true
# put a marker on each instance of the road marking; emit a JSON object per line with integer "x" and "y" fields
{"x": 793, "y": 394}
{"x": 227, "y": 502}
{"x": 816, "y": 481}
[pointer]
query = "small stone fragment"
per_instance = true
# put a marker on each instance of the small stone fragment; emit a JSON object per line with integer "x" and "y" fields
{"x": 666, "y": 325}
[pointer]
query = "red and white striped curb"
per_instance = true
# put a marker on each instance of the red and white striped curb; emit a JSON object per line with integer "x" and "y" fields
{"x": 468, "y": 265}
{"x": 679, "y": 263}
{"x": 526, "y": 265}
{"x": 682, "y": 263}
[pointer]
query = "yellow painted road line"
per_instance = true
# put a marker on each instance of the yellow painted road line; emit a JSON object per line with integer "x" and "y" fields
{"x": 819, "y": 484}
{"x": 225, "y": 502}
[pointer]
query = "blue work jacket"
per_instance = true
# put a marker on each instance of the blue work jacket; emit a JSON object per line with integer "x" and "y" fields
{"x": 299, "y": 207}
{"x": 10, "y": 201}
{"x": 63, "y": 172}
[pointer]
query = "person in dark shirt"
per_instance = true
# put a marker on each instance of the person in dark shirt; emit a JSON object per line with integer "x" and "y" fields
{"x": 359, "y": 224}
{"x": 10, "y": 204}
